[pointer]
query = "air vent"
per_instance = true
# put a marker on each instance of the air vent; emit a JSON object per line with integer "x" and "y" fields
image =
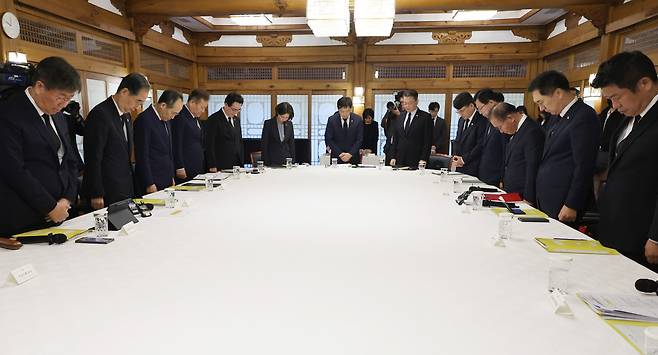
{"x": 47, "y": 35}
{"x": 312, "y": 73}
{"x": 239, "y": 73}
{"x": 645, "y": 41}
{"x": 410, "y": 72}
{"x": 512, "y": 70}
{"x": 101, "y": 49}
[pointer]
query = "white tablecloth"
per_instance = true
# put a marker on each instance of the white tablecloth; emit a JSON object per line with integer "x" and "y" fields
{"x": 307, "y": 261}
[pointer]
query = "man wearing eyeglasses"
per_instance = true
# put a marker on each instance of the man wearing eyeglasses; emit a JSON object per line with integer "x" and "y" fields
{"x": 223, "y": 140}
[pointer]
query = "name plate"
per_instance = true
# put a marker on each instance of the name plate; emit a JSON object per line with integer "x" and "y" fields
{"x": 128, "y": 228}
{"x": 24, "y": 273}
{"x": 560, "y": 305}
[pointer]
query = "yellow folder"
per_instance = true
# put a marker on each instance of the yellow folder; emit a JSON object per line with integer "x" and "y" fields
{"x": 69, "y": 233}
{"x": 153, "y": 201}
{"x": 578, "y": 246}
{"x": 188, "y": 188}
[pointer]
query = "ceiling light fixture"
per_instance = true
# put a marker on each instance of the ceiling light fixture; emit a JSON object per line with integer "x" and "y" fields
{"x": 373, "y": 18}
{"x": 476, "y": 15}
{"x": 328, "y": 18}
{"x": 252, "y": 20}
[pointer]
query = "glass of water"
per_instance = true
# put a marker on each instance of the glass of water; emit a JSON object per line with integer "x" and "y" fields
{"x": 478, "y": 197}
{"x": 505, "y": 225}
{"x": 334, "y": 162}
{"x": 210, "y": 183}
{"x": 100, "y": 223}
{"x": 558, "y": 272}
{"x": 170, "y": 197}
{"x": 261, "y": 166}
{"x": 421, "y": 168}
{"x": 381, "y": 163}
{"x": 457, "y": 185}
{"x": 288, "y": 163}
{"x": 651, "y": 340}
{"x": 236, "y": 172}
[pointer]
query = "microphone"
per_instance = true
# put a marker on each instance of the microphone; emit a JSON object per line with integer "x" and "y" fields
{"x": 646, "y": 286}
{"x": 464, "y": 195}
{"x": 51, "y": 239}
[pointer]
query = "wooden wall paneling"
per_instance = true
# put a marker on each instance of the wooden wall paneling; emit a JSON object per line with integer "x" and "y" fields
{"x": 568, "y": 39}
{"x": 82, "y": 12}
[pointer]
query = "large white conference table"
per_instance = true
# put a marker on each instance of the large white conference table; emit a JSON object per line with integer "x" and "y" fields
{"x": 311, "y": 260}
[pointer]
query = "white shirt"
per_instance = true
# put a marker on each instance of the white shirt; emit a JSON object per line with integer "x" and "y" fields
{"x": 566, "y": 108}
{"x": 60, "y": 151}
{"x": 228, "y": 118}
{"x": 125, "y": 129}
{"x": 410, "y": 118}
{"x": 157, "y": 114}
{"x": 519, "y": 125}
{"x": 195, "y": 119}
{"x": 629, "y": 127}
{"x": 469, "y": 120}
{"x": 342, "y": 120}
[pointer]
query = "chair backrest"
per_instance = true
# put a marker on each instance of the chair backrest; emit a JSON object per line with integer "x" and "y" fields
{"x": 255, "y": 157}
{"x": 438, "y": 161}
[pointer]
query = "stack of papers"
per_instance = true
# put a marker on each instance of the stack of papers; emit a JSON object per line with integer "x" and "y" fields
{"x": 578, "y": 246}
{"x": 639, "y": 308}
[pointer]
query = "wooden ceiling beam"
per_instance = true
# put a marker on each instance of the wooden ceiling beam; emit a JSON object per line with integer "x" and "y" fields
{"x": 298, "y": 7}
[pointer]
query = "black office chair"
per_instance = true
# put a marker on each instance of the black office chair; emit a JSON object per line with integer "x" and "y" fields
{"x": 438, "y": 161}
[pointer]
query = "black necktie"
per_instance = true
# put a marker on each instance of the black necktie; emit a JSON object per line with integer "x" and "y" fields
{"x": 636, "y": 121}
{"x": 345, "y": 126}
{"x": 124, "y": 126}
{"x": 54, "y": 139}
{"x": 466, "y": 125}
{"x": 407, "y": 122}
{"x": 230, "y": 120}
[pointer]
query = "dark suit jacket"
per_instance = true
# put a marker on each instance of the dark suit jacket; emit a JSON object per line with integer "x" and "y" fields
{"x": 410, "y": 147}
{"x": 522, "y": 158}
{"x": 32, "y": 179}
{"x": 274, "y": 150}
{"x": 108, "y": 169}
{"x": 370, "y": 136}
{"x": 491, "y": 166}
{"x": 223, "y": 142}
{"x": 467, "y": 143}
{"x": 441, "y": 136}
{"x": 187, "y": 140}
{"x": 629, "y": 201}
{"x": 609, "y": 126}
{"x": 565, "y": 173}
{"x": 339, "y": 143}
{"x": 154, "y": 157}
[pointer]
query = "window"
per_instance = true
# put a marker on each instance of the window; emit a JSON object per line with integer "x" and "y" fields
{"x": 300, "y": 106}
{"x": 255, "y": 110}
{"x": 322, "y": 106}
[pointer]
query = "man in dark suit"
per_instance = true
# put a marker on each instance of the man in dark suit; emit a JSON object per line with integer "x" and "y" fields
{"x": 629, "y": 201}
{"x": 187, "y": 136}
{"x": 344, "y": 133}
{"x": 108, "y": 144}
{"x": 564, "y": 177}
{"x": 154, "y": 155}
{"x": 523, "y": 151}
{"x": 493, "y": 144}
{"x": 440, "y": 133}
{"x": 470, "y": 132}
{"x": 38, "y": 178}
{"x": 413, "y": 133}
{"x": 223, "y": 136}
{"x": 278, "y": 137}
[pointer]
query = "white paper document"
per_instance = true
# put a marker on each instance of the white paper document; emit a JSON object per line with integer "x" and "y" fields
{"x": 637, "y": 307}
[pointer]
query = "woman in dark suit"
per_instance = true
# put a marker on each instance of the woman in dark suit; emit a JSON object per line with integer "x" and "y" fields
{"x": 278, "y": 138}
